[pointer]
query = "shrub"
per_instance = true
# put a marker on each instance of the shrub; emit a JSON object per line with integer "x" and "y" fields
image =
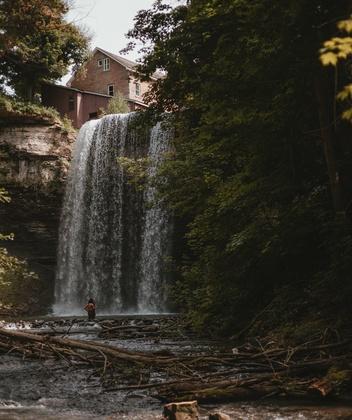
{"x": 21, "y": 289}
{"x": 14, "y": 106}
{"x": 117, "y": 105}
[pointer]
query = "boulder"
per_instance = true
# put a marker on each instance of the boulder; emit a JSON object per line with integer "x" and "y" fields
{"x": 219, "y": 416}
{"x": 187, "y": 410}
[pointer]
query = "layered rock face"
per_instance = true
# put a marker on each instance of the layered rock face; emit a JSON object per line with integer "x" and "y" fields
{"x": 35, "y": 156}
{"x": 34, "y": 161}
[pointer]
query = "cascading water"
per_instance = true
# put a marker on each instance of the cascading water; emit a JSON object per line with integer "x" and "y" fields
{"x": 114, "y": 237}
{"x": 156, "y": 232}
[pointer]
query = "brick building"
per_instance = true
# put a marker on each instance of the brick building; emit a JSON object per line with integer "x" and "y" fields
{"x": 89, "y": 90}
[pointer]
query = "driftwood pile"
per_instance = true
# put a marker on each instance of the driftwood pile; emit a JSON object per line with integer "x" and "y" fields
{"x": 260, "y": 372}
{"x": 246, "y": 372}
{"x": 171, "y": 327}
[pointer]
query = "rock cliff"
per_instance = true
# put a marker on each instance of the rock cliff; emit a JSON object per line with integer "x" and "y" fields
{"x": 34, "y": 155}
{"x": 34, "y": 160}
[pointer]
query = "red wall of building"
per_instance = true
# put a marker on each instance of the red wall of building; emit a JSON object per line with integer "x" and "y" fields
{"x": 92, "y": 104}
{"x": 59, "y": 98}
{"x": 84, "y": 104}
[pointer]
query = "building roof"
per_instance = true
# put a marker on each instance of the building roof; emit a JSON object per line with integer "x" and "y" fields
{"x": 128, "y": 64}
{"x": 136, "y": 101}
{"x": 75, "y": 89}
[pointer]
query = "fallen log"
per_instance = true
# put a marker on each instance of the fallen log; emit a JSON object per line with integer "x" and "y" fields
{"x": 252, "y": 387}
{"x": 216, "y": 394}
{"x": 110, "y": 351}
{"x": 203, "y": 377}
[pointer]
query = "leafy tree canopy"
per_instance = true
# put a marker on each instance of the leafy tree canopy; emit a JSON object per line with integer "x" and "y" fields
{"x": 248, "y": 178}
{"x": 37, "y": 43}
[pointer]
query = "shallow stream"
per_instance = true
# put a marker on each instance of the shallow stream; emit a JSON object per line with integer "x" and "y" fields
{"x": 31, "y": 389}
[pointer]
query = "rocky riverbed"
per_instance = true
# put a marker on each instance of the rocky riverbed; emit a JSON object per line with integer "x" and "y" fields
{"x": 54, "y": 389}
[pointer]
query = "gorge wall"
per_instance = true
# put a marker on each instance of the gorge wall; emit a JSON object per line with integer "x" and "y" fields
{"x": 34, "y": 161}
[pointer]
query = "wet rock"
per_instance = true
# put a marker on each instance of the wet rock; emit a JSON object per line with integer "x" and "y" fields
{"x": 53, "y": 402}
{"x": 219, "y": 416}
{"x": 187, "y": 410}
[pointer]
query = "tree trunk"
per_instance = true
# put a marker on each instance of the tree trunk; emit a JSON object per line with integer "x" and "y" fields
{"x": 329, "y": 146}
{"x": 29, "y": 92}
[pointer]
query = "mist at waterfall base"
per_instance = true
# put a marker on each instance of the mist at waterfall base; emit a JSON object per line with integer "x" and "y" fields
{"x": 114, "y": 238}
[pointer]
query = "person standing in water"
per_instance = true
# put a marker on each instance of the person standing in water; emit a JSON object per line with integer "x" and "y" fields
{"x": 90, "y": 308}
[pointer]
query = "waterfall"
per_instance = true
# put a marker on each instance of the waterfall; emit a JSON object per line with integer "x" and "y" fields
{"x": 156, "y": 232}
{"x": 114, "y": 238}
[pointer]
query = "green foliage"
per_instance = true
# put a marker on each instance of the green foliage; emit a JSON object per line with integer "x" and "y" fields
{"x": 66, "y": 124}
{"x": 8, "y": 237}
{"x": 20, "y": 289}
{"x": 117, "y": 105}
{"x": 37, "y": 43}
{"x": 5, "y": 198}
{"x": 13, "y": 106}
{"x": 335, "y": 50}
{"x": 136, "y": 170}
{"x": 247, "y": 178}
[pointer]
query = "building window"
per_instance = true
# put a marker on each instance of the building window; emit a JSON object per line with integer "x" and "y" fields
{"x": 71, "y": 103}
{"x": 111, "y": 90}
{"x": 106, "y": 64}
{"x": 138, "y": 89}
{"x": 100, "y": 63}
